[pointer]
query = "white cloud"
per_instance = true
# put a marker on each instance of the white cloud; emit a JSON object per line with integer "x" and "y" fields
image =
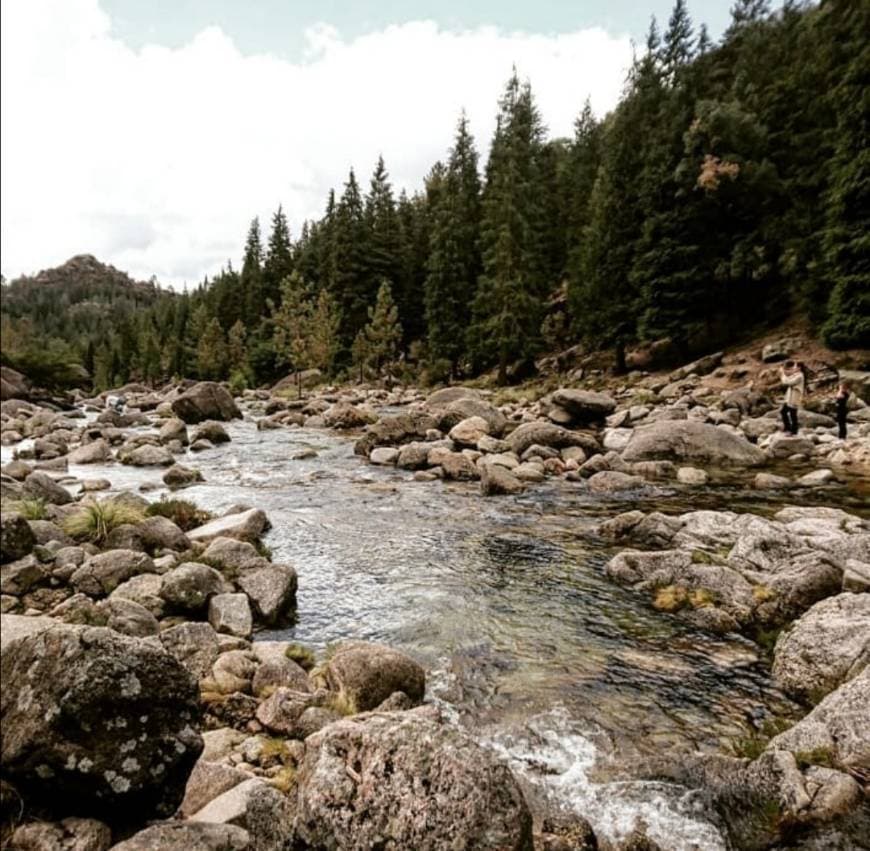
{"x": 155, "y": 160}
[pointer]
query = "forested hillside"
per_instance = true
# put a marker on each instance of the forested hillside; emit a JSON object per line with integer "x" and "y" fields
{"x": 729, "y": 189}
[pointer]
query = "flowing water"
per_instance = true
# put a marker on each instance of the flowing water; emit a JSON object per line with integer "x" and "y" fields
{"x": 572, "y": 678}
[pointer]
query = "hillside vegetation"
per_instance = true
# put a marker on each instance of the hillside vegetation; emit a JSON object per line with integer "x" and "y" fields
{"x": 728, "y": 190}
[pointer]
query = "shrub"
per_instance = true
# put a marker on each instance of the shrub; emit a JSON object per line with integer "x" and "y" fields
{"x": 181, "y": 512}
{"x": 94, "y": 521}
{"x": 238, "y": 382}
{"x": 30, "y": 509}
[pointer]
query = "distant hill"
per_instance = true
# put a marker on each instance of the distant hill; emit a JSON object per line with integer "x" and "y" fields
{"x": 83, "y": 284}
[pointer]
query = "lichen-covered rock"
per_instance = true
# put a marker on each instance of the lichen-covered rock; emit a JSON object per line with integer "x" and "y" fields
{"x": 368, "y": 674}
{"x": 94, "y": 722}
{"x": 194, "y": 645}
{"x": 271, "y": 589}
{"x": 343, "y": 415}
{"x": 206, "y": 400}
{"x": 16, "y": 537}
{"x": 69, "y": 834}
{"x": 179, "y": 476}
{"x": 230, "y": 614}
{"x": 827, "y": 646}
{"x": 191, "y": 585}
{"x": 547, "y": 434}
{"x": 585, "y": 406}
{"x": 95, "y": 452}
{"x": 402, "y": 780}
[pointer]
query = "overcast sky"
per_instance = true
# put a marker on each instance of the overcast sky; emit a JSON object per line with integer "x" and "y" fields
{"x": 149, "y": 133}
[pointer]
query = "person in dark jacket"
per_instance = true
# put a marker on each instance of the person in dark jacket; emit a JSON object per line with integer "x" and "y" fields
{"x": 842, "y": 400}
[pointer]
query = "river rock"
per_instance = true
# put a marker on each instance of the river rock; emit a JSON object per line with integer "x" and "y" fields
{"x": 230, "y": 614}
{"x": 233, "y": 671}
{"x": 281, "y": 710}
{"x": 546, "y": 434}
{"x": 413, "y": 456}
{"x": 191, "y": 585}
{"x": 160, "y": 533}
{"x": 39, "y": 485}
{"x": 148, "y": 456}
{"x": 173, "y": 429}
{"x": 193, "y": 645}
{"x": 343, "y": 415}
{"x": 768, "y": 481}
{"x": 835, "y": 732}
{"x": 459, "y": 467}
{"x": 95, "y": 722}
{"x": 208, "y": 780}
{"x": 271, "y": 589}
{"x": 403, "y": 780}
{"x": 211, "y": 431}
{"x": 206, "y": 400}
{"x": 585, "y": 406}
{"x": 817, "y": 478}
{"x": 20, "y": 576}
{"x": 16, "y": 537}
{"x": 442, "y": 398}
{"x": 786, "y": 445}
{"x": 179, "y": 476}
{"x": 245, "y": 525}
{"x": 143, "y": 589}
{"x": 277, "y": 672}
{"x": 828, "y": 645}
{"x": 496, "y": 479}
{"x": 367, "y": 674}
{"x": 692, "y": 476}
{"x": 127, "y": 617}
{"x": 188, "y": 836}
{"x": 611, "y": 481}
{"x": 95, "y": 452}
{"x": 469, "y": 431}
{"x": 101, "y": 574}
{"x": 384, "y": 455}
{"x": 685, "y": 440}
{"x": 460, "y": 409}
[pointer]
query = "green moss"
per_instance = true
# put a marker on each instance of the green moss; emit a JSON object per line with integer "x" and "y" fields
{"x": 818, "y": 756}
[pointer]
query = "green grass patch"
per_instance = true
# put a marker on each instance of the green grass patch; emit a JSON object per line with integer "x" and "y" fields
{"x": 30, "y": 509}
{"x": 302, "y": 656}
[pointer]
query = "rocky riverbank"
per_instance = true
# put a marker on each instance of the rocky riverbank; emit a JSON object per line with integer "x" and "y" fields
{"x": 130, "y": 627}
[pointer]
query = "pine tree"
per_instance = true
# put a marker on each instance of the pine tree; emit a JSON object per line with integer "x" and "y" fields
{"x": 676, "y": 51}
{"x": 454, "y": 264}
{"x": 279, "y": 257}
{"x": 508, "y": 303}
{"x": 211, "y": 352}
{"x": 322, "y": 333}
{"x": 381, "y": 260}
{"x": 251, "y": 279}
{"x": 383, "y": 334}
{"x": 349, "y": 283}
{"x": 291, "y": 322}
{"x": 237, "y": 350}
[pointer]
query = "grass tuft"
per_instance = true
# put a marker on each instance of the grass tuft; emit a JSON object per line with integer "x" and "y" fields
{"x": 94, "y": 521}
{"x": 30, "y": 509}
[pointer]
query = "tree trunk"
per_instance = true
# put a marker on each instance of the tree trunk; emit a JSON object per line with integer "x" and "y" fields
{"x": 502, "y": 367}
{"x": 621, "y": 367}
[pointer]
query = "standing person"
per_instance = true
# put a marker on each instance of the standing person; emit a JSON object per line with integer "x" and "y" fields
{"x": 795, "y": 382}
{"x": 842, "y": 400}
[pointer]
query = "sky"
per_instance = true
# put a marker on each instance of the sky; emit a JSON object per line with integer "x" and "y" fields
{"x": 150, "y": 132}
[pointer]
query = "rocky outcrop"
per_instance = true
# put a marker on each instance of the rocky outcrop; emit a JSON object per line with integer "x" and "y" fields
{"x": 94, "y": 722}
{"x": 827, "y": 646}
{"x": 403, "y": 780}
{"x": 206, "y": 400}
{"x": 685, "y": 440}
{"x": 367, "y": 674}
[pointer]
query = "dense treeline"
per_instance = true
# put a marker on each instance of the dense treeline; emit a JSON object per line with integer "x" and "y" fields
{"x": 728, "y": 189}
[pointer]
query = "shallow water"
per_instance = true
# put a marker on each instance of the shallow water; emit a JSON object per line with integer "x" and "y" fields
{"x": 504, "y": 600}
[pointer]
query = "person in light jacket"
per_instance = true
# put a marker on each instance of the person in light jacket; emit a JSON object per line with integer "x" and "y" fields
{"x": 794, "y": 379}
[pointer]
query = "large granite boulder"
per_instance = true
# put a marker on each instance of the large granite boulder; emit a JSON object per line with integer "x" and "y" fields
{"x": 94, "y": 722}
{"x": 367, "y": 674}
{"x": 547, "y": 434}
{"x": 245, "y": 525}
{"x": 403, "y": 780}
{"x": 206, "y": 400}
{"x": 95, "y": 452}
{"x": 39, "y": 485}
{"x": 101, "y": 574}
{"x": 687, "y": 440}
{"x": 827, "y": 646}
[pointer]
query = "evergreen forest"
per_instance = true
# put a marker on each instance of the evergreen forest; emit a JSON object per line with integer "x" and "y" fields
{"x": 728, "y": 190}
